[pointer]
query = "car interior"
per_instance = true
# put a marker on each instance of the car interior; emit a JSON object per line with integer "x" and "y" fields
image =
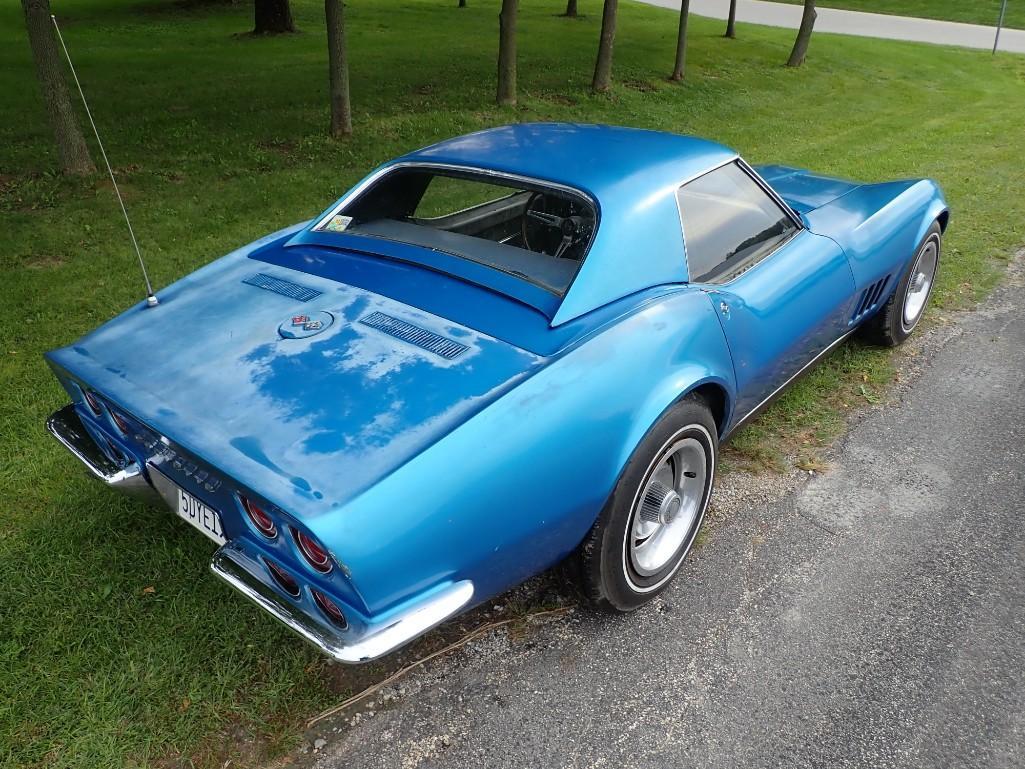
{"x": 537, "y": 233}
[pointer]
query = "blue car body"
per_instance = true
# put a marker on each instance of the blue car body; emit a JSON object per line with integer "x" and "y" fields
{"x": 437, "y": 480}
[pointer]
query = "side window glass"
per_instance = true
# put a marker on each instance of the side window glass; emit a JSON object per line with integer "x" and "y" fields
{"x": 729, "y": 224}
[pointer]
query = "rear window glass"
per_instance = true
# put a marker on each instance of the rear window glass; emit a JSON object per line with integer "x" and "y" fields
{"x": 537, "y": 233}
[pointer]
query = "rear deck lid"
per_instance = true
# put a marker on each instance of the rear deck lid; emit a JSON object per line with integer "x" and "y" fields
{"x": 306, "y": 389}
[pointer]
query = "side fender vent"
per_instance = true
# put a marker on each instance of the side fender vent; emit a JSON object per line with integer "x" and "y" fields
{"x": 421, "y": 337}
{"x": 283, "y": 287}
{"x": 870, "y": 299}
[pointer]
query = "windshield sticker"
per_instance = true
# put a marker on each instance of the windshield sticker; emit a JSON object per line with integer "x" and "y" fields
{"x": 338, "y": 223}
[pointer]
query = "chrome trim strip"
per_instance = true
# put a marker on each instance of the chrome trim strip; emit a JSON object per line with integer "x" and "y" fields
{"x": 66, "y": 426}
{"x": 765, "y": 257}
{"x": 832, "y": 346}
{"x": 771, "y": 192}
{"x": 765, "y": 187}
{"x": 699, "y": 174}
{"x": 227, "y": 564}
{"x": 679, "y": 211}
{"x": 470, "y": 208}
{"x": 358, "y": 190}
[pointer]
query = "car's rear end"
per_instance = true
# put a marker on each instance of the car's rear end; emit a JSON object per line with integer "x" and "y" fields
{"x": 257, "y": 402}
{"x": 264, "y": 551}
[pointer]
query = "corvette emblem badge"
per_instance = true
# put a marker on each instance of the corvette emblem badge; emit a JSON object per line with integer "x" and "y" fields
{"x": 302, "y": 325}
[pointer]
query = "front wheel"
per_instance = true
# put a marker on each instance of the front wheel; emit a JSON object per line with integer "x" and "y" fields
{"x": 898, "y": 317}
{"x": 651, "y": 520}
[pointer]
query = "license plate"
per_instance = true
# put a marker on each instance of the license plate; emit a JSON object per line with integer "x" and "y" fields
{"x": 186, "y": 506}
{"x": 204, "y": 518}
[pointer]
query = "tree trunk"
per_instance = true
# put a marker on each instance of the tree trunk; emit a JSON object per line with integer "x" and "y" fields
{"x": 462, "y": 3}
{"x": 731, "y": 20}
{"x": 507, "y": 53}
{"x": 273, "y": 17}
{"x": 338, "y": 67}
{"x": 603, "y": 65}
{"x": 571, "y": 9}
{"x": 71, "y": 147}
{"x": 681, "y": 42}
{"x": 803, "y": 35}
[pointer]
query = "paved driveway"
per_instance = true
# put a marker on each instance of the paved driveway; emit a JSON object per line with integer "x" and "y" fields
{"x": 860, "y": 24}
{"x": 873, "y": 617}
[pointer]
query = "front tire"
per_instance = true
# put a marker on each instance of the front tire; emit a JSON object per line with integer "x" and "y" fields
{"x": 895, "y": 321}
{"x": 653, "y": 516}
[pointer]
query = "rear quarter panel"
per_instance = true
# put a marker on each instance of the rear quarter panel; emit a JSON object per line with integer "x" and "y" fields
{"x": 515, "y": 488}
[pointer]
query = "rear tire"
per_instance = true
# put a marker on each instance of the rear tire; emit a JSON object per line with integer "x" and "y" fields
{"x": 895, "y": 321}
{"x": 653, "y": 516}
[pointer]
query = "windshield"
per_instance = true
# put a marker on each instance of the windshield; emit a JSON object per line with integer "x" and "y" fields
{"x": 535, "y": 232}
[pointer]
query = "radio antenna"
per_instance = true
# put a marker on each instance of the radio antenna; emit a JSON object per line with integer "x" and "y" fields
{"x": 151, "y": 299}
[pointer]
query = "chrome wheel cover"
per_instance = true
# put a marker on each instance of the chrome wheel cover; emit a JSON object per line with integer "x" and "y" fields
{"x": 920, "y": 284}
{"x": 669, "y": 506}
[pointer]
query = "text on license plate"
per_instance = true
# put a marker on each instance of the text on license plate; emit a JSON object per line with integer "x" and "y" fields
{"x": 204, "y": 518}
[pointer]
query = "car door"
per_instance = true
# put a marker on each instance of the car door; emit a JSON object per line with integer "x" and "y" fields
{"x": 782, "y": 293}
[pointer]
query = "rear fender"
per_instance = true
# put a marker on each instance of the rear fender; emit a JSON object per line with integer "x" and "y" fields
{"x": 515, "y": 488}
{"x": 669, "y": 392}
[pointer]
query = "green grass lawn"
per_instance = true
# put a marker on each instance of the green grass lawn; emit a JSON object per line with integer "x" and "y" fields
{"x": 116, "y": 644}
{"x": 969, "y": 11}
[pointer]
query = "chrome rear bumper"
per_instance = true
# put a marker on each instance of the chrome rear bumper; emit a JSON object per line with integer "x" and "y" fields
{"x": 233, "y": 565}
{"x": 66, "y": 426}
{"x": 239, "y": 569}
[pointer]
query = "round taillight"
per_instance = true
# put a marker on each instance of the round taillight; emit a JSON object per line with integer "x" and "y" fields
{"x": 121, "y": 422}
{"x": 115, "y": 453}
{"x": 263, "y": 522}
{"x": 314, "y": 553}
{"x": 285, "y": 580}
{"x": 93, "y": 401}
{"x": 329, "y": 607}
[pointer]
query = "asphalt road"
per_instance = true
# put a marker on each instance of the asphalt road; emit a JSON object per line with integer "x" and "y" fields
{"x": 861, "y": 24}
{"x": 873, "y": 617}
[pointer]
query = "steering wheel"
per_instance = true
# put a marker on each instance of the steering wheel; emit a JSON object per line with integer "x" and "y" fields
{"x": 565, "y": 231}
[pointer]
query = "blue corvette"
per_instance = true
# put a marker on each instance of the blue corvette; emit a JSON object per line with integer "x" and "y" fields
{"x": 493, "y": 353}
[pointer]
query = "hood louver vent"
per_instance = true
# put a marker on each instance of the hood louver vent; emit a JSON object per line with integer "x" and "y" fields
{"x": 283, "y": 287}
{"x": 421, "y": 337}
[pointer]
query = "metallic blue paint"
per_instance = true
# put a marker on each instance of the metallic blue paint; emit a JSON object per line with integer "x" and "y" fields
{"x": 803, "y": 190}
{"x": 806, "y": 287}
{"x": 631, "y": 174}
{"x": 420, "y": 472}
{"x": 879, "y": 226}
{"x": 319, "y": 253}
{"x": 516, "y": 487}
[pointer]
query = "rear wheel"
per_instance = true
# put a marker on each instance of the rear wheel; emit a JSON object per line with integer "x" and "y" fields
{"x": 654, "y": 514}
{"x": 898, "y": 317}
